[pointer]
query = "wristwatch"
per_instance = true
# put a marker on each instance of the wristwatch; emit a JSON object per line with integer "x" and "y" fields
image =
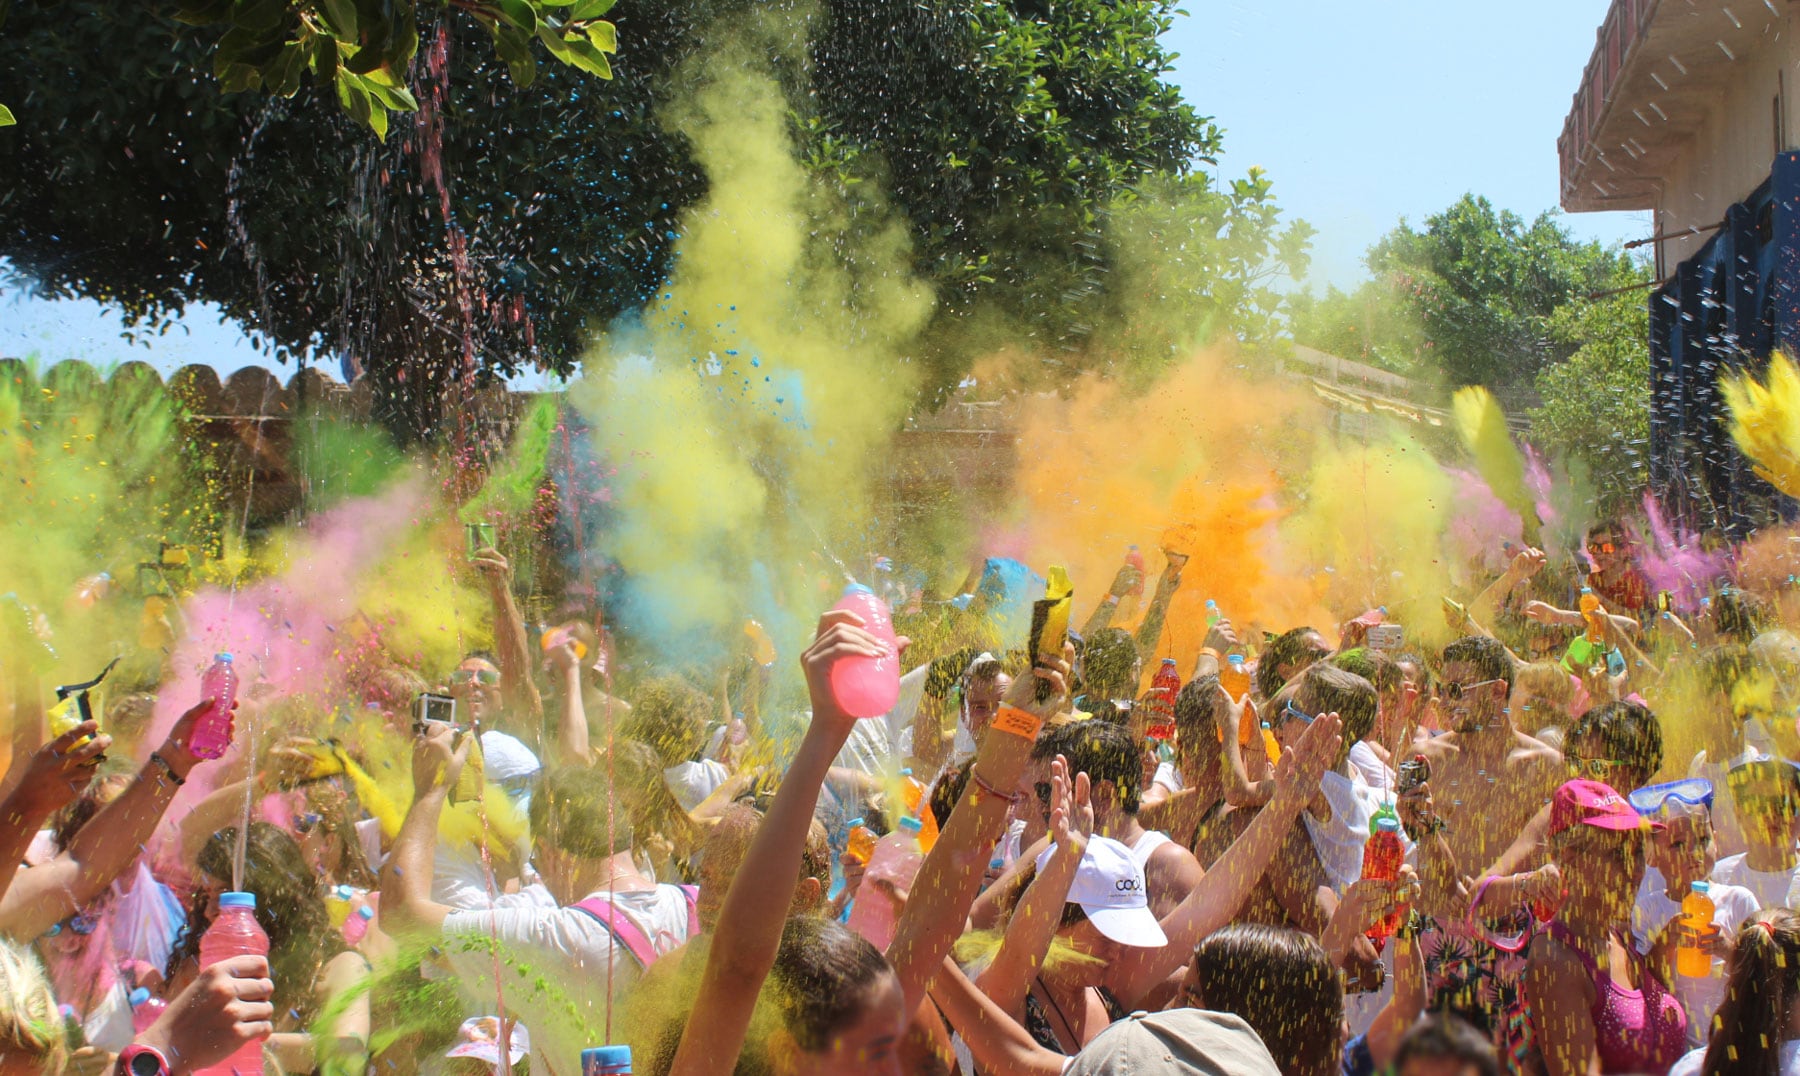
{"x": 137, "y": 1060}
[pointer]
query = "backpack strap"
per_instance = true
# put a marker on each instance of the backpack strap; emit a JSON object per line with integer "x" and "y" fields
{"x": 628, "y": 933}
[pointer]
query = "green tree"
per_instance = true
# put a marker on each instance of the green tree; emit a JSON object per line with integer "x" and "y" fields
{"x": 1596, "y": 403}
{"x": 1470, "y": 295}
{"x": 498, "y": 230}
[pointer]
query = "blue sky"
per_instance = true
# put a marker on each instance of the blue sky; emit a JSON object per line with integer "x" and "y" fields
{"x": 1361, "y": 113}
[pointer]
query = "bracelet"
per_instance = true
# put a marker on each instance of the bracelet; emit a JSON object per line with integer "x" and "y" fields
{"x": 982, "y": 786}
{"x": 168, "y": 770}
{"x": 1209, "y": 652}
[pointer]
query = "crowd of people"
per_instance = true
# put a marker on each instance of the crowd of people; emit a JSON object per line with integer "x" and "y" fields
{"x": 1050, "y": 862}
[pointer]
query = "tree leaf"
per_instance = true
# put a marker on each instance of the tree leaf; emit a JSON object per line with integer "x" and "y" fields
{"x": 589, "y": 9}
{"x": 586, "y": 57}
{"x": 604, "y": 35}
{"x": 519, "y": 13}
{"x": 6, "y": 117}
{"x": 260, "y": 16}
{"x": 340, "y": 18}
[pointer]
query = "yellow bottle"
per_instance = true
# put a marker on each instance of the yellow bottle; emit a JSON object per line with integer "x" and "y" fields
{"x": 1694, "y": 961}
{"x": 1591, "y": 612}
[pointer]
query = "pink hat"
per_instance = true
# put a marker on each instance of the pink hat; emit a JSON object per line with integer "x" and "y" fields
{"x": 1593, "y": 803}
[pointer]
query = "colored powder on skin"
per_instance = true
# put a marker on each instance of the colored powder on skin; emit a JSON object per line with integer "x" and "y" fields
{"x": 716, "y": 467}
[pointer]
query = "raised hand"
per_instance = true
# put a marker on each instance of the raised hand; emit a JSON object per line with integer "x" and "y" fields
{"x": 1054, "y": 671}
{"x": 1302, "y": 765}
{"x": 841, "y": 634}
{"x": 1071, "y": 807}
{"x": 1528, "y": 562}
{"x": 60, "y": 770}
{"x": 438, "y": 756}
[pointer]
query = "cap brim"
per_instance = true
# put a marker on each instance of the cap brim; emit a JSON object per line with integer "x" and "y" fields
{"x": 1136, "y": 927}
{"x": 1622, "y": 823}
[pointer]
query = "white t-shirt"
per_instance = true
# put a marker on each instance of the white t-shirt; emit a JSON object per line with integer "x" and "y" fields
{"x": 568, "y": 947}
{"x": 1770, "y": 887}
{"x": 1733, "y": 906}
{"x": 1692, "y": 1063}
{"x": 1339, "y": 840}
{"x": 691, "y": 782}
{"x": 1169, "y": 777}
{"x": 1375, "y": 773}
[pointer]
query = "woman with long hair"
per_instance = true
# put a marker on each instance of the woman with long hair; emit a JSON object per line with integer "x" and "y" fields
{"x": 308, "y": 960}
{"x": 1756, "y": 1031}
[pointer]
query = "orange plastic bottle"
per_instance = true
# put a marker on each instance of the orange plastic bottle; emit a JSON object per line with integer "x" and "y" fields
{"x": 1697, "y": 912}
{"x": 861, "y": 842}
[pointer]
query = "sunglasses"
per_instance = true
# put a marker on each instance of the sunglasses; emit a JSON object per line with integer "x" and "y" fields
{"x": 467, "y": 676}
{"x": 1289, "y": 710}
{"x": 1597, "y": 768}
{"x": 1454, "y": 691}
{"x": 79, "y": 925}
{"x": 1602, "y": 547}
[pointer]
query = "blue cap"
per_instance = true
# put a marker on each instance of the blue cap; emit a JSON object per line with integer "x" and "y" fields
{"x": 598, "y": 1059}
{"x": 138, "y": 997}
{"x": 237, "y": 900}
{"x": 854, "y": 822}
{"x": 911, "y": 824}
{"x": 366, "y": 912}
{"x": 223, "y": 656}
{"x": 1235, "y": 659}
{"x": 856, "y": 588}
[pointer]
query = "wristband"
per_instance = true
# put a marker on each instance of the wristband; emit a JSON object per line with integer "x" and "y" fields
{"x": 168, "y": 770}
{"x": 1021, "y": 723}
{"x": 1209, "y": 652}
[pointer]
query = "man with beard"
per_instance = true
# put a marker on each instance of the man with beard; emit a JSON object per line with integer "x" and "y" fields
{"x": 1486, "y": 780}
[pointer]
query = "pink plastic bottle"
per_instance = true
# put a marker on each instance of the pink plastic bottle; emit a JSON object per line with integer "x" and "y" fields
{"x": 235, "y": 933}
{"x": 145, "y": 1008}
{"x": 356, "y": 927}
{"x": 212, "y": 735}
{"x": 867, "y": 687}
{"x": 896, "y": 860}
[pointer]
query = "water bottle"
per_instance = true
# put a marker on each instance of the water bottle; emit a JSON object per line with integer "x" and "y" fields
{"x": 1383, "y": 856}
{"x": 1695, "y": 961}
{"x": 861, "y": 842}
{"x": 145, "y": 1008}
{"x": 212, "y": 734}
{"x": 912, "y": 791}
{"x": 235, "y": 933}
{"x": 606, "y": 1061}
{"x": 864, "y": 686}
{"x": 1590, "y": 612}
{"x": 356, "y": 926}
{"x": 1135, "y": 557}
{"x": 896, "y": 860}
{"x": 1212, "y": 612}
{"x": 762, "y": 648}
{"x": 1160, "y": 723}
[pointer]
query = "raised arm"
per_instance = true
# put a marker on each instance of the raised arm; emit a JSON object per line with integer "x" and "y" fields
{"x": 510, "y": 645}
{"x": 1149, "y": 631}
{"x": 1525, "y": 564}
{"x": 947, "y": 882}
{"x": 1246, "y": 780}
{"x": 1221, "y": 893}
{"x": 571, "y": 725}
{"x": 41, "y": 896}
{"x": 1124, "y": 582}
{"x": 1028, "y": 935}
{"x": 994, "y": 1038}
{"x": 41, "y": 784}
{"x": 756, "y": 907}
{"x": 406, "y": 878}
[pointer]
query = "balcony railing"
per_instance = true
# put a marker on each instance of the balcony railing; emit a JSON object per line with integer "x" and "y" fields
{"x": 1626, "y": 21}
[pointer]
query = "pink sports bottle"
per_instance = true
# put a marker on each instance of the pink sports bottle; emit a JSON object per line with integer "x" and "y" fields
{"x": 235, "y": 933}
{"x": 212, "y": 735}
{"x": 867, "y": 687}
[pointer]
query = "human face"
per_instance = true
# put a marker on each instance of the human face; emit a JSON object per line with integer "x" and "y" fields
{"x": 982, "y": 701}
{"x": 1606, "y": 550}
{"x": 869, "y": 1044}
{"x": 1088, "y": 941}
{"x": 1767, "y": 808}
{"x": 1291, "y": 716}
{"x": 1604, "y": 866}
{"x": 1683, "y": 851}
{"x": 1473, "y": 701}
{"x": 476, "y": 687}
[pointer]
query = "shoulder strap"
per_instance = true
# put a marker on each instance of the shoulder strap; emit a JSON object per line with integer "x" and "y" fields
{"x": 628, "y": 933}
{"x": 692, "y": 893}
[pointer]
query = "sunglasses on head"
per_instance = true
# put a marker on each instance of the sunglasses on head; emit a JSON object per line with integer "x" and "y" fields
{"x": 1454, "y": 691}
{"x": 1600, "y": 769}
{"x": 1289, "y": 710}
{"x": 483, "y": 676}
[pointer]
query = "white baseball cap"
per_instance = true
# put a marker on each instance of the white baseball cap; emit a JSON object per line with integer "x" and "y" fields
{"x": 1109, "y": 886}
